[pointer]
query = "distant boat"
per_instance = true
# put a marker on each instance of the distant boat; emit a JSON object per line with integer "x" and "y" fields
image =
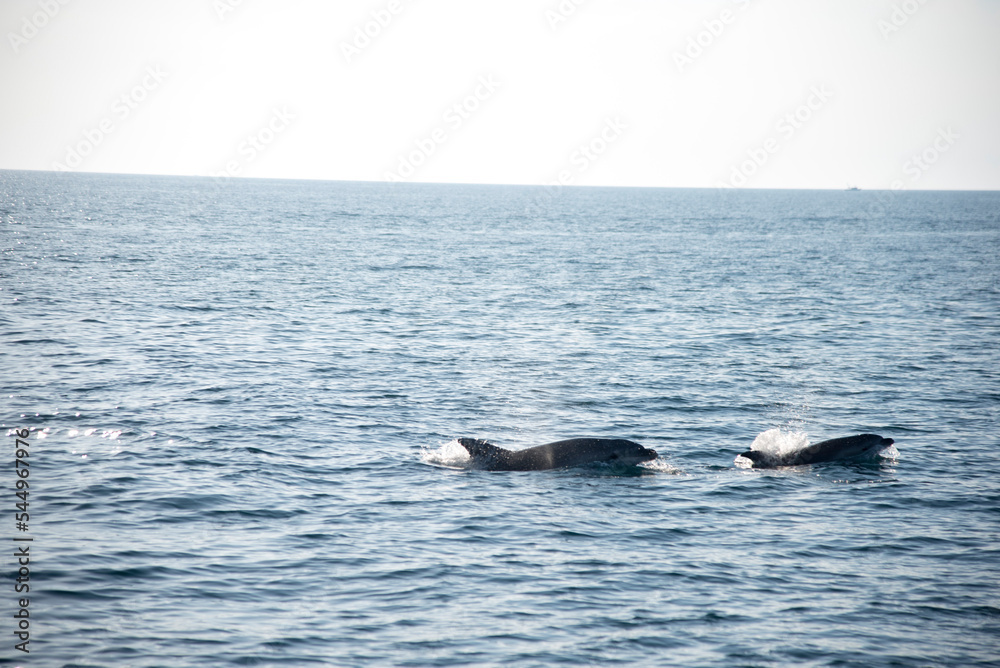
{"x": 853, "y": 188}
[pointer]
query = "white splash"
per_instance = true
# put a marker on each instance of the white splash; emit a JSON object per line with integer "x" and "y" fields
{"x": 451, "y": 454}
{"x": 890, "y": 453}
{"x": 779, "y": 442}
{"x": 775, "y": 443}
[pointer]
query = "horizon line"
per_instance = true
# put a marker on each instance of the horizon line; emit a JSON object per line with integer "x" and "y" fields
{"x": 468, "y": 183}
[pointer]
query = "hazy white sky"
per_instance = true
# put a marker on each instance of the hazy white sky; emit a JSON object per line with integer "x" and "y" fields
{"x": 677, "y": 93}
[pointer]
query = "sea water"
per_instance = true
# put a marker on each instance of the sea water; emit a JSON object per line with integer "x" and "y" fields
{"x": 242, "y": 398}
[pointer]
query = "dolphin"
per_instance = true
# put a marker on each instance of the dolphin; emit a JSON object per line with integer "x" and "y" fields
{"x": 571, "y": 452}
{"x": 849, "y": 447}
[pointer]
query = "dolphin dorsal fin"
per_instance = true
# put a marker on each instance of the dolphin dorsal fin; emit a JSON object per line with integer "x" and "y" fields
{"x": 487, "y": 455}
{"x": 480, "y": 448}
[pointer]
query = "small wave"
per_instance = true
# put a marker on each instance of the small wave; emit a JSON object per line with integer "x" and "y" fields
{"x": 110, "y": 434}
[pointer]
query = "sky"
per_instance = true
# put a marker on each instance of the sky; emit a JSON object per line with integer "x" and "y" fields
{"x": 665, "y": 93}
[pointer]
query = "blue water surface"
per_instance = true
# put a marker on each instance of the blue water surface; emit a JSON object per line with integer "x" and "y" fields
{"x": 241, "y": 396}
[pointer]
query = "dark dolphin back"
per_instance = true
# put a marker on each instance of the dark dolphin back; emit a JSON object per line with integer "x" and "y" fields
{"x": 842, "y": 448}
{"x": 847, "y": 447}
{"x": 580, "y": 451}
{"x": 756, "y": 456}
{"x": 492, "y": 457}
{"x": 571, "y": 452}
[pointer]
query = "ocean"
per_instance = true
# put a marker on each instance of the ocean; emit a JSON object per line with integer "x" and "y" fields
{"x": 239, "y": 400}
